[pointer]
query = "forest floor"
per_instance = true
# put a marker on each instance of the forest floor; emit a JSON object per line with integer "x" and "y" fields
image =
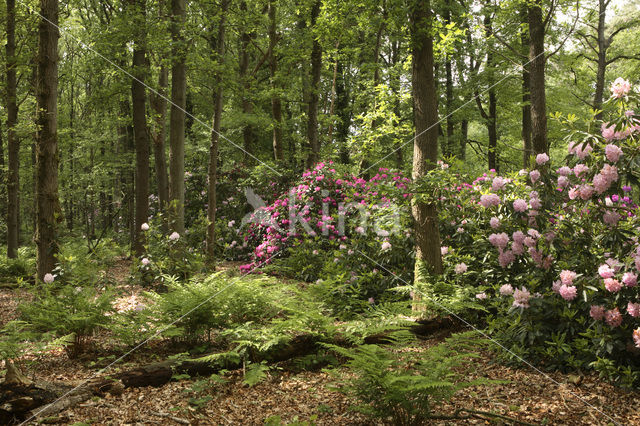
{"x": 309, "y": 396}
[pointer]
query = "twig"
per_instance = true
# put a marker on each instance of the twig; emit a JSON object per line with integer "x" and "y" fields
{"x": 169, "y": 416}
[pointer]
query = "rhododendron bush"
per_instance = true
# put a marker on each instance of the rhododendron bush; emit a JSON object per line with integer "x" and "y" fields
{"x": 553, "y": 252}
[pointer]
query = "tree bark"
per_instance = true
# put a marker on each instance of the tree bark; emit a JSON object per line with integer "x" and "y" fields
{"x": 602, "y": 58}
{"x": 276, "y": 102}
{"x": 215, "y": 137}
{"x": 314, "y": 96}
{"x": 425, "y": 148}
{"x": 140, "y": 131}
{"x": 243, "y": 72}
{"x": 47, "y": 203}
{"x": 177, "y": 119}
{"x": 536, "y": 78}
{"x": 448, "y": 148}
{"x": 526, "y": 90}
{"x": 13, "y": 143}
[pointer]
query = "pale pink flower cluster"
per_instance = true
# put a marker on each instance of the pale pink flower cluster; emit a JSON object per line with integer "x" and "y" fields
{"x": 568, "y": 292}
{"x": 578, "y": 169}
{"x": 636, "y": 337}
{"x": 564, "y": 171}
{"x": 498, "y": 183}
{"x": 444, "y": 250}
{"x": 620, "y": 88}
{"x": 488, "y": 200}
{"x": 506, "y": 257}
{"x": 520, "y": 205}
{"x": 580, "y": 149}
{"x": 603, "y": 180}
{"x": 605, "y": 271}
{"x": 48, "y": 278}
{"x": 567, "y": 277}
{"x": 609, "y": 132}
{"x": 174, "y": 236}
{"x": 555, "y": 286}
{"x": 506, "y": 290}
{"x": 611, "y": 218}
{"x": 481, "y": 296}
{"x": 630, "y": 279}
{"x": 613, "y": 152}
{"x": 633, "y": 309}
{"x": 542, "y": 159}
{"x": 597, "y": 312}
{"x": 521, "y": 298}
{"x": 386, "y": 245}
{"x": 499, "y": 240}
{"x": 494, "y": 222}
{"x": 534, "y": 175}
{"x": 613, "y": 318}
{"x": 612, "y": 285}
{"x": 460, "y": 268}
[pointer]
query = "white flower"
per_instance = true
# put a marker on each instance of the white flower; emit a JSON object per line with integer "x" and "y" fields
{"x": 174, "y": 236}
{"x": 386, "y": 245}
{"x": 461, "y": 268}
{"x": 144, "y": 226}
{"x": 48, "y": 278}
{"x": 145, "y": 261}
{"x": 231, "y": 223}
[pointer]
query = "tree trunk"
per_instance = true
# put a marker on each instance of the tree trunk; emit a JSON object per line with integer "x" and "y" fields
{"x": 526, "y": 90}
{"x": 215, "y": 137}
{"x": 425, "y": 149}
{"x": 314, "y": 96}
{"x": 140, "y": 131}
{"x": 13, "y": 143}
{"x": 247, "y": 105}
{"x": 177, "y": 122}
{"x": 343, "y": 111}
{"x": 276, "y": 102}
{"x": 47, "y": 204}
{"x": 602, "y": 58}
{"x": 448, "y": 148}
{"x": 537, "y": 75}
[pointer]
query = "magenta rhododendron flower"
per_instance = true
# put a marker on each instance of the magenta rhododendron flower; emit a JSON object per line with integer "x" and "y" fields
{"x": 613, "y": 318}
{"x": 568, "y": 292}
{"x": 613, "y": 152}
{"x": 520, "y": 205}
{"x": 597, "y": 312}
{"x": 542, "y": 159}
{"x": 567, "y": 277}
{"x": 620, "y": 87}
{"x": 612, "y": 285}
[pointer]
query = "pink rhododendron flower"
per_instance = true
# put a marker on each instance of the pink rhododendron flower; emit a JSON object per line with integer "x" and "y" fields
{"x": 613, "y": 152}
{"x": 542, "y": 159}
{"x": 555, "y": 286}
{"x": 534, "y": 175}
{"x": 612, "y": 285}
{"x": 520, "y": 205}
{"x": 518, "y": 237}
{"x": 596, "y": 312}
{"x": 633, "y": 309}
{"x": 499, "y": 240}
{"x": 517, "y": 248}
{"x": 611, "y": 218}
{"x": 521, "y": 298}
{"x": 48, "y": 278}
{"x": 494, "y": 222}
{"x": 505, "y": 258}
{"x": 567, "y": 277}
{"x": 636, "y": 337}
{"x": 568, "y": 292}
{"x": 174, "y": 236}
{"x": 506, "y": 290}
{"x": 585, "y": 192}
{"x": 564, "y": 171}
{"x": 620, "y": 88}
{"x": 579, "y": 169}
{"x": 481, "y": 296}
{"x": 498, "y": 183}
{"x": 605, "y": 271}
{"x": 386, "y": 245}
{"x": 444, "y": 250}
{"x": 613, "y": 318}
{"x": 630, "y": 279}
{"x": 488, "y": 200}
{"x": 608, "y": 131}
{"x": 535, "y": 203}
{"x": 563, "y": 181}
{"x": 529, "y": 242}
{"x": 145, "y": 261}
{"x": 460, "y": 268}
{"x": 601, "y": 183}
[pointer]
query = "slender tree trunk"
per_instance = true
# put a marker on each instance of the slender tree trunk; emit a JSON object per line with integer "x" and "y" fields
{"x": 602, "y": 58}
{"x": 537, "y": 75}
{"x": 215, "y": 135}
{"x": 425, "y": 148}
{"x": 159, "y": 107}
{"x": 276, "y": 103}
{"x": 177, "y": 119}
{"x": 243, "y": 72}
{"x": 526, "y": 90}
{"x": 13, "y": 143}
{"x": 47, "y": 203}
{"x": 343, "y": 113}
{"x": 140, "y": 131}
{"x": 448, "y": 149}
{"x": 314, "y": 96}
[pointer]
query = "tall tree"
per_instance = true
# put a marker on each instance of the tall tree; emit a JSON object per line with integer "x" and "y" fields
{"x": 537, "y": 85}
{"x": 13, "y": 143}
{"x": 215, "y": 138}
{"x": 140, "y": 131}
{"x": 425, "y": 148}
{"x": 276, "y": 102}
{"x": 314, "y": 96}
{"x": 526, "y": 89}
{"x": 177, "y": 119}
{"x": 246, "y": 37}
{"x": 48, "y": 211}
